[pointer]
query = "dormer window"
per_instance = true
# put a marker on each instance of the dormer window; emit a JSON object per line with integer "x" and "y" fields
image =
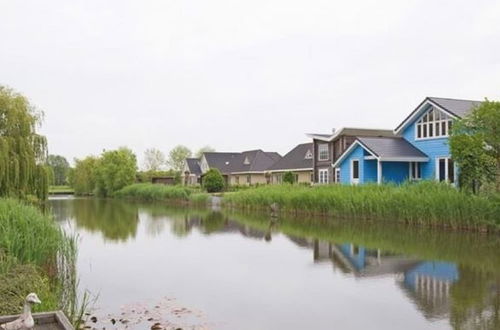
{"x": 433, "y": 124}
{"x": 246, "y": 161}
{"x": 308, "y": 155}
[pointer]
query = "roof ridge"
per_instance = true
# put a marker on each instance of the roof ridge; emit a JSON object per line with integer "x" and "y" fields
{"x": 452, "y": 99}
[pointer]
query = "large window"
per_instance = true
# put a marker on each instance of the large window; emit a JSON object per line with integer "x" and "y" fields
{"x": 323, "y": 153}
{"x": 355, "y": 171}
{"x": 415, "y": 173}
{"x": 445, "y": 169}
{"x": 323, "y": 176}
{"x": 434, "y": 123}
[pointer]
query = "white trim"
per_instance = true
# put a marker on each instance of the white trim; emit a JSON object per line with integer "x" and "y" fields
{"x": 370, "y": 157}
{"x": 379, "y": 172}
{"x": 404, "y": 159}
{"x": 348, "y": 151}
{"x": 447, "y": 160}
{"x": 327, "y": 177}
{"x": 340, "y": 132}
{"x": 337, "y": 174}
{"x": 353, "y": 180}
{"x": 327, "y": 145}
{"x": 416, "y": 113}
{"x": 291, "y": 170}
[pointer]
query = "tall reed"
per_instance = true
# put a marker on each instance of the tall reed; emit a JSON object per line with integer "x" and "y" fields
{"x": 426, "y": 203}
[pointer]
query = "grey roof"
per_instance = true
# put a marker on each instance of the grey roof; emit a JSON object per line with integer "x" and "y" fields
{"x": 352, "y": 131}
{"x": 458, "y": 107}
{"x": 295, "y": 159}
{"x": 193, "y": 165}
{"x": 221, "y": 160}
{"x": 231, "y": 162}
{"x": 258, "y": 161}
{"x": 395, "y": 147}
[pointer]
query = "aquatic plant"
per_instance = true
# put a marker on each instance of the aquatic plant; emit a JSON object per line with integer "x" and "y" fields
{"x": 35, "y": 256}
{"x": 153, "y": 192}
{"x": 425, "y": 203}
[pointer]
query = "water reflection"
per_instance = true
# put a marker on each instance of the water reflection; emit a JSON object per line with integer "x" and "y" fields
{"x": 447, "y": 276}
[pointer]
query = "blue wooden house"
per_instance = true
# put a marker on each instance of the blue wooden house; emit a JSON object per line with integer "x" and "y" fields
{"x": 418, "y": 150}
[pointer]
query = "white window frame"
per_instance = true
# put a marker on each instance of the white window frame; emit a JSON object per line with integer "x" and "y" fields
{"x": 418, "y": 171}
{"x": 355, "y": 180}
{"x": 446, "y": 169}
{"x": 308, "y": 155}
{"x": 438, "y": 119}
{"x": 323, "y": 176}
{"x": 322, "y": 145}
{"x": 337, "y": 175}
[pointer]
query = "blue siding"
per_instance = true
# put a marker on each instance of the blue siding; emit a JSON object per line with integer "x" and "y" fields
{"x": 443, "y": 271}
{"x": 395, "y": 172}
{"x": 345, "y": 166}
{"x": 370, "y": 172}
{"x": 433, "y": 148}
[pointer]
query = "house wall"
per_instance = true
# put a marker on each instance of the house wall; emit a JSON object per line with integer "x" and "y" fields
{"x": 323, "y": 164}
{"x": 395, "y": 172}
{"x": 303, "y": 176}
{"x": 370, "y": 172}
{"x": 433, "y": 148}
{"x": 255, "y": 178}
{"x": 345, "y": 166}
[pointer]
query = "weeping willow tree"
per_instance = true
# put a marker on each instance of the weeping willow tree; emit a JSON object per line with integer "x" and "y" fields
{"x": 23, "y": 152}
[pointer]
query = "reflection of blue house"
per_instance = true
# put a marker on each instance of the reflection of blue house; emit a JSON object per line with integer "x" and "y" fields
{"x": 418, "y": 150}
{"x": 428, "y": 284}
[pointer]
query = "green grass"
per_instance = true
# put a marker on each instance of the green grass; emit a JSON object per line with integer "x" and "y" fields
{"x": 61, "y": 190}
{"x": 425, "y": 203}
{"x": 35, "y": 256}
{"x": 153, "y": 192}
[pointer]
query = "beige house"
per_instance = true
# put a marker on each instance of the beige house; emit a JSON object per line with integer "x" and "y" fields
{"x": 299, "y": 161}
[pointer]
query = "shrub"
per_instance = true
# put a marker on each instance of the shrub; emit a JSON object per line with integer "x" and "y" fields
{"x": 150, "y": 192}
{"x": 213, "y": 181}
{"x": 288, "y": 177}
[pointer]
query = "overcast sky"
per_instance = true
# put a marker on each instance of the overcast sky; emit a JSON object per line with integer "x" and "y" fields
{"x": 239, "y": 75}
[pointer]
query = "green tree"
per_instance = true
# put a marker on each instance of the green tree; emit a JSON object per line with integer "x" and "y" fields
{"x": 213, "y": 181}
{"x": 289, "y": 177}
{"x": 23, "y": 152}
{"x": 204, "y": 149}
{"x": 60, "y": 168}
{"x": 177, "y": 156}
{"x": 475, "y": 146}
{"x": 83, "y": 176}
{"x": 154, "y": 160}
{"x": 115, "y": 170}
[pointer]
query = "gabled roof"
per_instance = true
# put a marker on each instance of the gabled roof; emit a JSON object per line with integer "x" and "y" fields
{"x": 352, "y": 131}
{"x": 223, "y": 161}
{"x": 454, "y": 107}
{"x": 193, "y": 165}
{"x": 235, "y": 162}
{"x": 259, "y": 161}
{"x": 386, "y": 149}
{"x": 295, "y": 159}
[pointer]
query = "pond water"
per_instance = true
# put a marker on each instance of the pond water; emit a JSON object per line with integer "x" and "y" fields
{"x": 205, "y": 269}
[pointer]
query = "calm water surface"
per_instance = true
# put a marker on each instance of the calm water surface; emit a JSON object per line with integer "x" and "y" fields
{"x": 244, "y": 271}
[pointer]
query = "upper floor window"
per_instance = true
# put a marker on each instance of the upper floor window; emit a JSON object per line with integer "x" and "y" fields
{"x": 433, "y": 123}
{"x": 309, "y": 155}
{"x": 323, "y": 153}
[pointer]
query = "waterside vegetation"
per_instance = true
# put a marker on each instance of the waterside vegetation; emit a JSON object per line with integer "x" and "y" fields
{"x": 157, "y": 192}
{"x": 424, "y": 203}
{"x": 35, "y": 256}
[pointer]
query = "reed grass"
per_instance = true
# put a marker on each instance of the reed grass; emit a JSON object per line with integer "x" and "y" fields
{"x": 153, "y": 192}
{"x": 424, "y": 203}
{"x": 157, "y": 192}
{"x": 35, "y": 256}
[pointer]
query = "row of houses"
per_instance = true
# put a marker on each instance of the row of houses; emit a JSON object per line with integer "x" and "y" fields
{"x": 417, "y": 149}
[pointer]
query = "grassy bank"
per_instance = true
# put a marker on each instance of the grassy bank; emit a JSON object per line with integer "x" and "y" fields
{"x": 425, "y": 203}
{"x": 35, "y": 256}
{"x": 61, "y": 190}
{"x": 158, "y": 192}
